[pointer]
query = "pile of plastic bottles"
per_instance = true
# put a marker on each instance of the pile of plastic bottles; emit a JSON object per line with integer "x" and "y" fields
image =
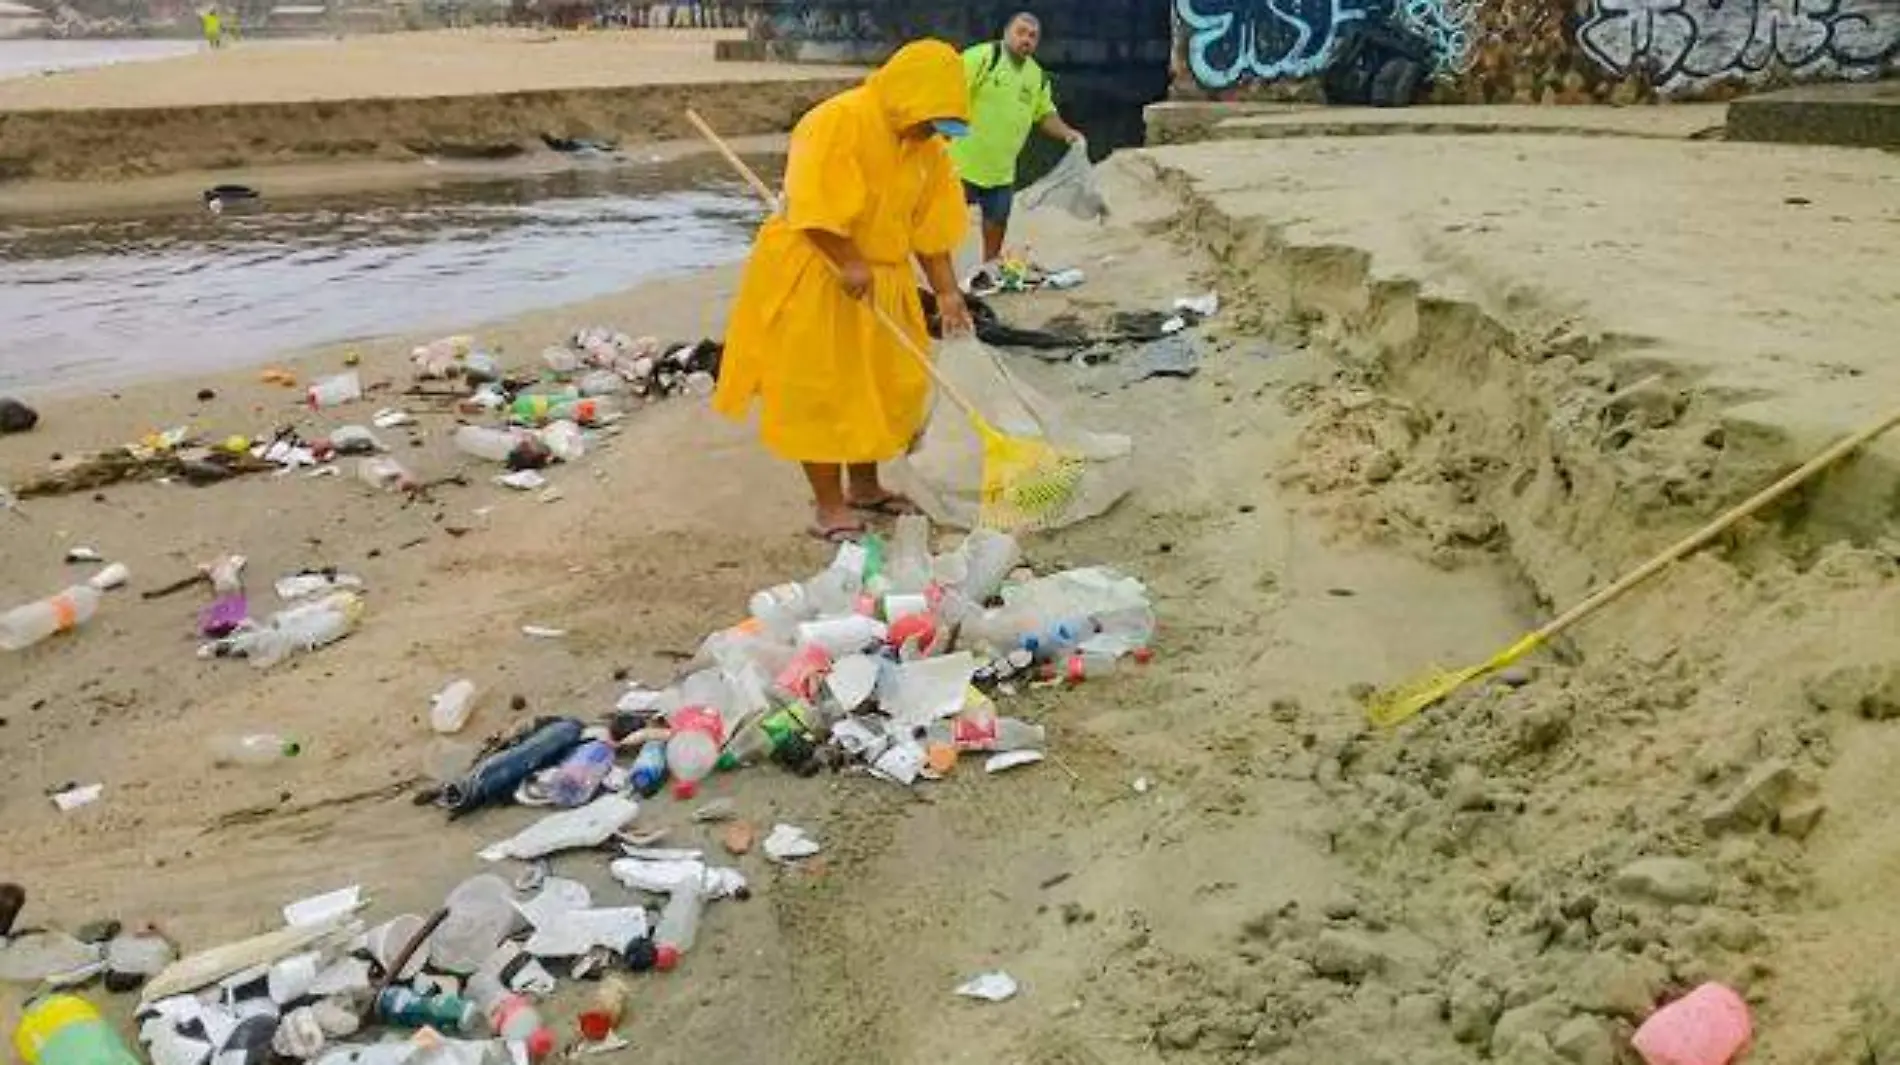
{"x": 891, "y": 659}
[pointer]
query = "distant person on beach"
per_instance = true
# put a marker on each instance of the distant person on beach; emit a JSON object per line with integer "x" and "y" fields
{"x": 213, "y": 25}
{"x": 1009, "y": 97}
{"x": 868, "y": 188}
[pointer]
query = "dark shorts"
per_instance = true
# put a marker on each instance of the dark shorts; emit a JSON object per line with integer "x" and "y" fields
{"x": 994, "y": 202}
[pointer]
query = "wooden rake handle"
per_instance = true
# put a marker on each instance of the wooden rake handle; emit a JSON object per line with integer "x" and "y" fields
{"x": 1715, "y": 528}
{"x": 896, "y": 330}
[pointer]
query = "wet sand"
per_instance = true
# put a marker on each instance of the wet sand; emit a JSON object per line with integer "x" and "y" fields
{"x": 1427, "y": 417}
{"x": 445, "y": 95}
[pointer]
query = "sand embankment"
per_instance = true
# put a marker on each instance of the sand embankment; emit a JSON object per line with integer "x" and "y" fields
{"x": 448, "y": 95}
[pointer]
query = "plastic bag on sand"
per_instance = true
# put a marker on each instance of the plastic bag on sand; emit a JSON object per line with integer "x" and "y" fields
{"x": 944, "y": 473}
{"x": 589, "y": 826}
{"x": 1071, "y": 186}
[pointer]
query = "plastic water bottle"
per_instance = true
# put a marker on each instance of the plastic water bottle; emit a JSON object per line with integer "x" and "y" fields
{"x": 253, "y": 749}
{"x": 295, "y": 631}
{"x": 67, "y": 1030}
{"x": 679, "y": 925}
{"x": 450, "y": 708}
{"x": 335, "y": 391}
{"x": 970, "y": 732}
{"x": 585, "y": 411}
{"x": 24, "y": 626}
{"x": 578, "y": 777}
{"x": 605, "y": 1008}
{"x": 515, "y": 1020}
{"x": 404, "y": 1008}
{"x": 1049, "y": 642}
{"x": 649, "y": 769}
{"x": 489, "y": 445}
{"x": 1087, "y": 665}
{"x": 693, "y": 750}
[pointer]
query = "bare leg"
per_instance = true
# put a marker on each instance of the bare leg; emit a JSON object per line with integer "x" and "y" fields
{"x": 865, "y": 491}
{"x": 827, "y": 491}
{"x": 993, "y": 234}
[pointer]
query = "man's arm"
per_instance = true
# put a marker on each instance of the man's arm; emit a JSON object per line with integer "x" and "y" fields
{"x": 1053, "y": 126}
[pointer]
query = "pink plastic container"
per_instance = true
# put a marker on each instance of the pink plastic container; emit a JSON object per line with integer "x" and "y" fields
{"x": 1707, "y": 1026}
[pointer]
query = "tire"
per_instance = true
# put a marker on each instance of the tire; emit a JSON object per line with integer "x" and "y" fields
{"x": 1397, "y": 83}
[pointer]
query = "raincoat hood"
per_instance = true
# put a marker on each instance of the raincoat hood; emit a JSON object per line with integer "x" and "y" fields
{"x": 922, "y": 81}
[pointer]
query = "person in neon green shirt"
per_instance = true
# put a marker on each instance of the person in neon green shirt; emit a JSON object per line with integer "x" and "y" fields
{"x": 1009, "y": 97}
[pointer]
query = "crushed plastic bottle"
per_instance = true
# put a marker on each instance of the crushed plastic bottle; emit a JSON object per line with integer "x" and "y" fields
{"x": 693, "y": 750}
{"x": 253, "y": 749}
{"x": 489, "y": 445}
{"x": 449, "y": 709}
{"x": 24, "y": 626}
{"x": 575, "y": 781}
{"x": 649, "y": 769}
{"x": 298, "y": 630}
{"x": 67, "y": 1030}
{"x": 987, "y": 732}
{"x": 679, "y": 924}
{"x": 514, "y": 1019}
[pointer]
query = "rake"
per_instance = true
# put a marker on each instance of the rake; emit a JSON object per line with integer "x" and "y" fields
{"x": 1028, "y": 483}
{"x": 1396, "y": 705}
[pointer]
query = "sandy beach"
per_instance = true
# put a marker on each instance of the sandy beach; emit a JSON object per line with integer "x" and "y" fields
{"x": 1454, "y": 383}
{"x": 449, "y": 95}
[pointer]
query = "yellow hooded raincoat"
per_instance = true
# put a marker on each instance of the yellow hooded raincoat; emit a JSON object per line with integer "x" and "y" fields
{"x": 834, "y": 385}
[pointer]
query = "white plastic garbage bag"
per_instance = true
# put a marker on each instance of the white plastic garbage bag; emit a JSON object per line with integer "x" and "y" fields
{"x": 944, "y": 473}
{"x": 1071, "y": 187}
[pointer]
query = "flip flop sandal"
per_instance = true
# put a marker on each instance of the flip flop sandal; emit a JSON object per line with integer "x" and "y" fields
{"x": 837, "y": 534}
{"x": 891, "y": 505}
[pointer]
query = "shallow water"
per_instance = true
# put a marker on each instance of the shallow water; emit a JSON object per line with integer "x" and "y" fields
{"x": 97, "y": 302}
{"x": 20, "y": 58}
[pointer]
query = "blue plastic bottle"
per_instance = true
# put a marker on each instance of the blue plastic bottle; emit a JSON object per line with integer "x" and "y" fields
{"x": 649, "y": 769}
{"x": 578, "y": 777}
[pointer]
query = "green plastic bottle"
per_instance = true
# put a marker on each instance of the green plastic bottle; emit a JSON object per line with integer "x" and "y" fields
{"x": 67, "y": 1030}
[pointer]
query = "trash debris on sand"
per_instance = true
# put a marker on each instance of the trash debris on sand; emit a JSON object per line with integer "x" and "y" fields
{"x": 891, "y": 662}
{"x": 996, "y": 986}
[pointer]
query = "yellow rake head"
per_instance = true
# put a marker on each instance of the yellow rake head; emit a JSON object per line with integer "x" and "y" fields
{"x": 1395, "y": 706}
{"x": 1028, "y": 483}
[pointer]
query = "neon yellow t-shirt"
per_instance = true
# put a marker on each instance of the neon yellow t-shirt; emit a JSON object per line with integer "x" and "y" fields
{"x": 1007, "y": 99}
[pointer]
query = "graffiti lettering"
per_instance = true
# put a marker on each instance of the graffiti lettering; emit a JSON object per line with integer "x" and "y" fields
{"x": 1230, "y": 41}
{"x": 1684, "y": 42}
{"x": 1446, "y": 25}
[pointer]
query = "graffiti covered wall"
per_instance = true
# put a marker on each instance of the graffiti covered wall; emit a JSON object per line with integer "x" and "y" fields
{"x": 1543, "y": 51}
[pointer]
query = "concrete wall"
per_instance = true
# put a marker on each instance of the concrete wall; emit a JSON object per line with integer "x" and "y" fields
{"x": 1543, "y": 51}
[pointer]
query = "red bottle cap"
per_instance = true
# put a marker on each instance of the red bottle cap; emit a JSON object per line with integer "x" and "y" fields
{"x": 666, "y": 958}
{"x": 1144, "y": 655}
{"x": 540, "y": 1044}
{"x": 685, "y": 789}
{"x": 1077, "y": 672}
{"x": 596, "y": 1025}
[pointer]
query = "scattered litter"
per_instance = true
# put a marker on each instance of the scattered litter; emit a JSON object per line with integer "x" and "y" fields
{"x": 1141, "y": 785}
{"x": 1171, "y": 356}
{"x": 1010, "y": 760}
{"x": 113, "y": 576}
{"x": 306, "y": 583}
{"x": 788, "y": 843}
{"x": 522, "y": 480}
{"x": 542, "y": 632}
{"x": 83, "y": 554}
{"x": 73, "y": 798}
{"x": 324, "y": 909}
{"x": 392, "y": 418}
{"x": 1205, "y": 305}
{"x": 996, "y": 986}
{"x": 589, "y": 826}
{"x": 715, "y": 811}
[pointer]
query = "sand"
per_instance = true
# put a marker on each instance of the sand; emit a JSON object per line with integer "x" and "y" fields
{"x": 409, "y": 97}
{"x": 1369, "y": 475}
{"x": 401, "y": 66}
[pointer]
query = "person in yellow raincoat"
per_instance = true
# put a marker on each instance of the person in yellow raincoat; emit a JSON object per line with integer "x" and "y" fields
{"x": 869, "y": 188}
